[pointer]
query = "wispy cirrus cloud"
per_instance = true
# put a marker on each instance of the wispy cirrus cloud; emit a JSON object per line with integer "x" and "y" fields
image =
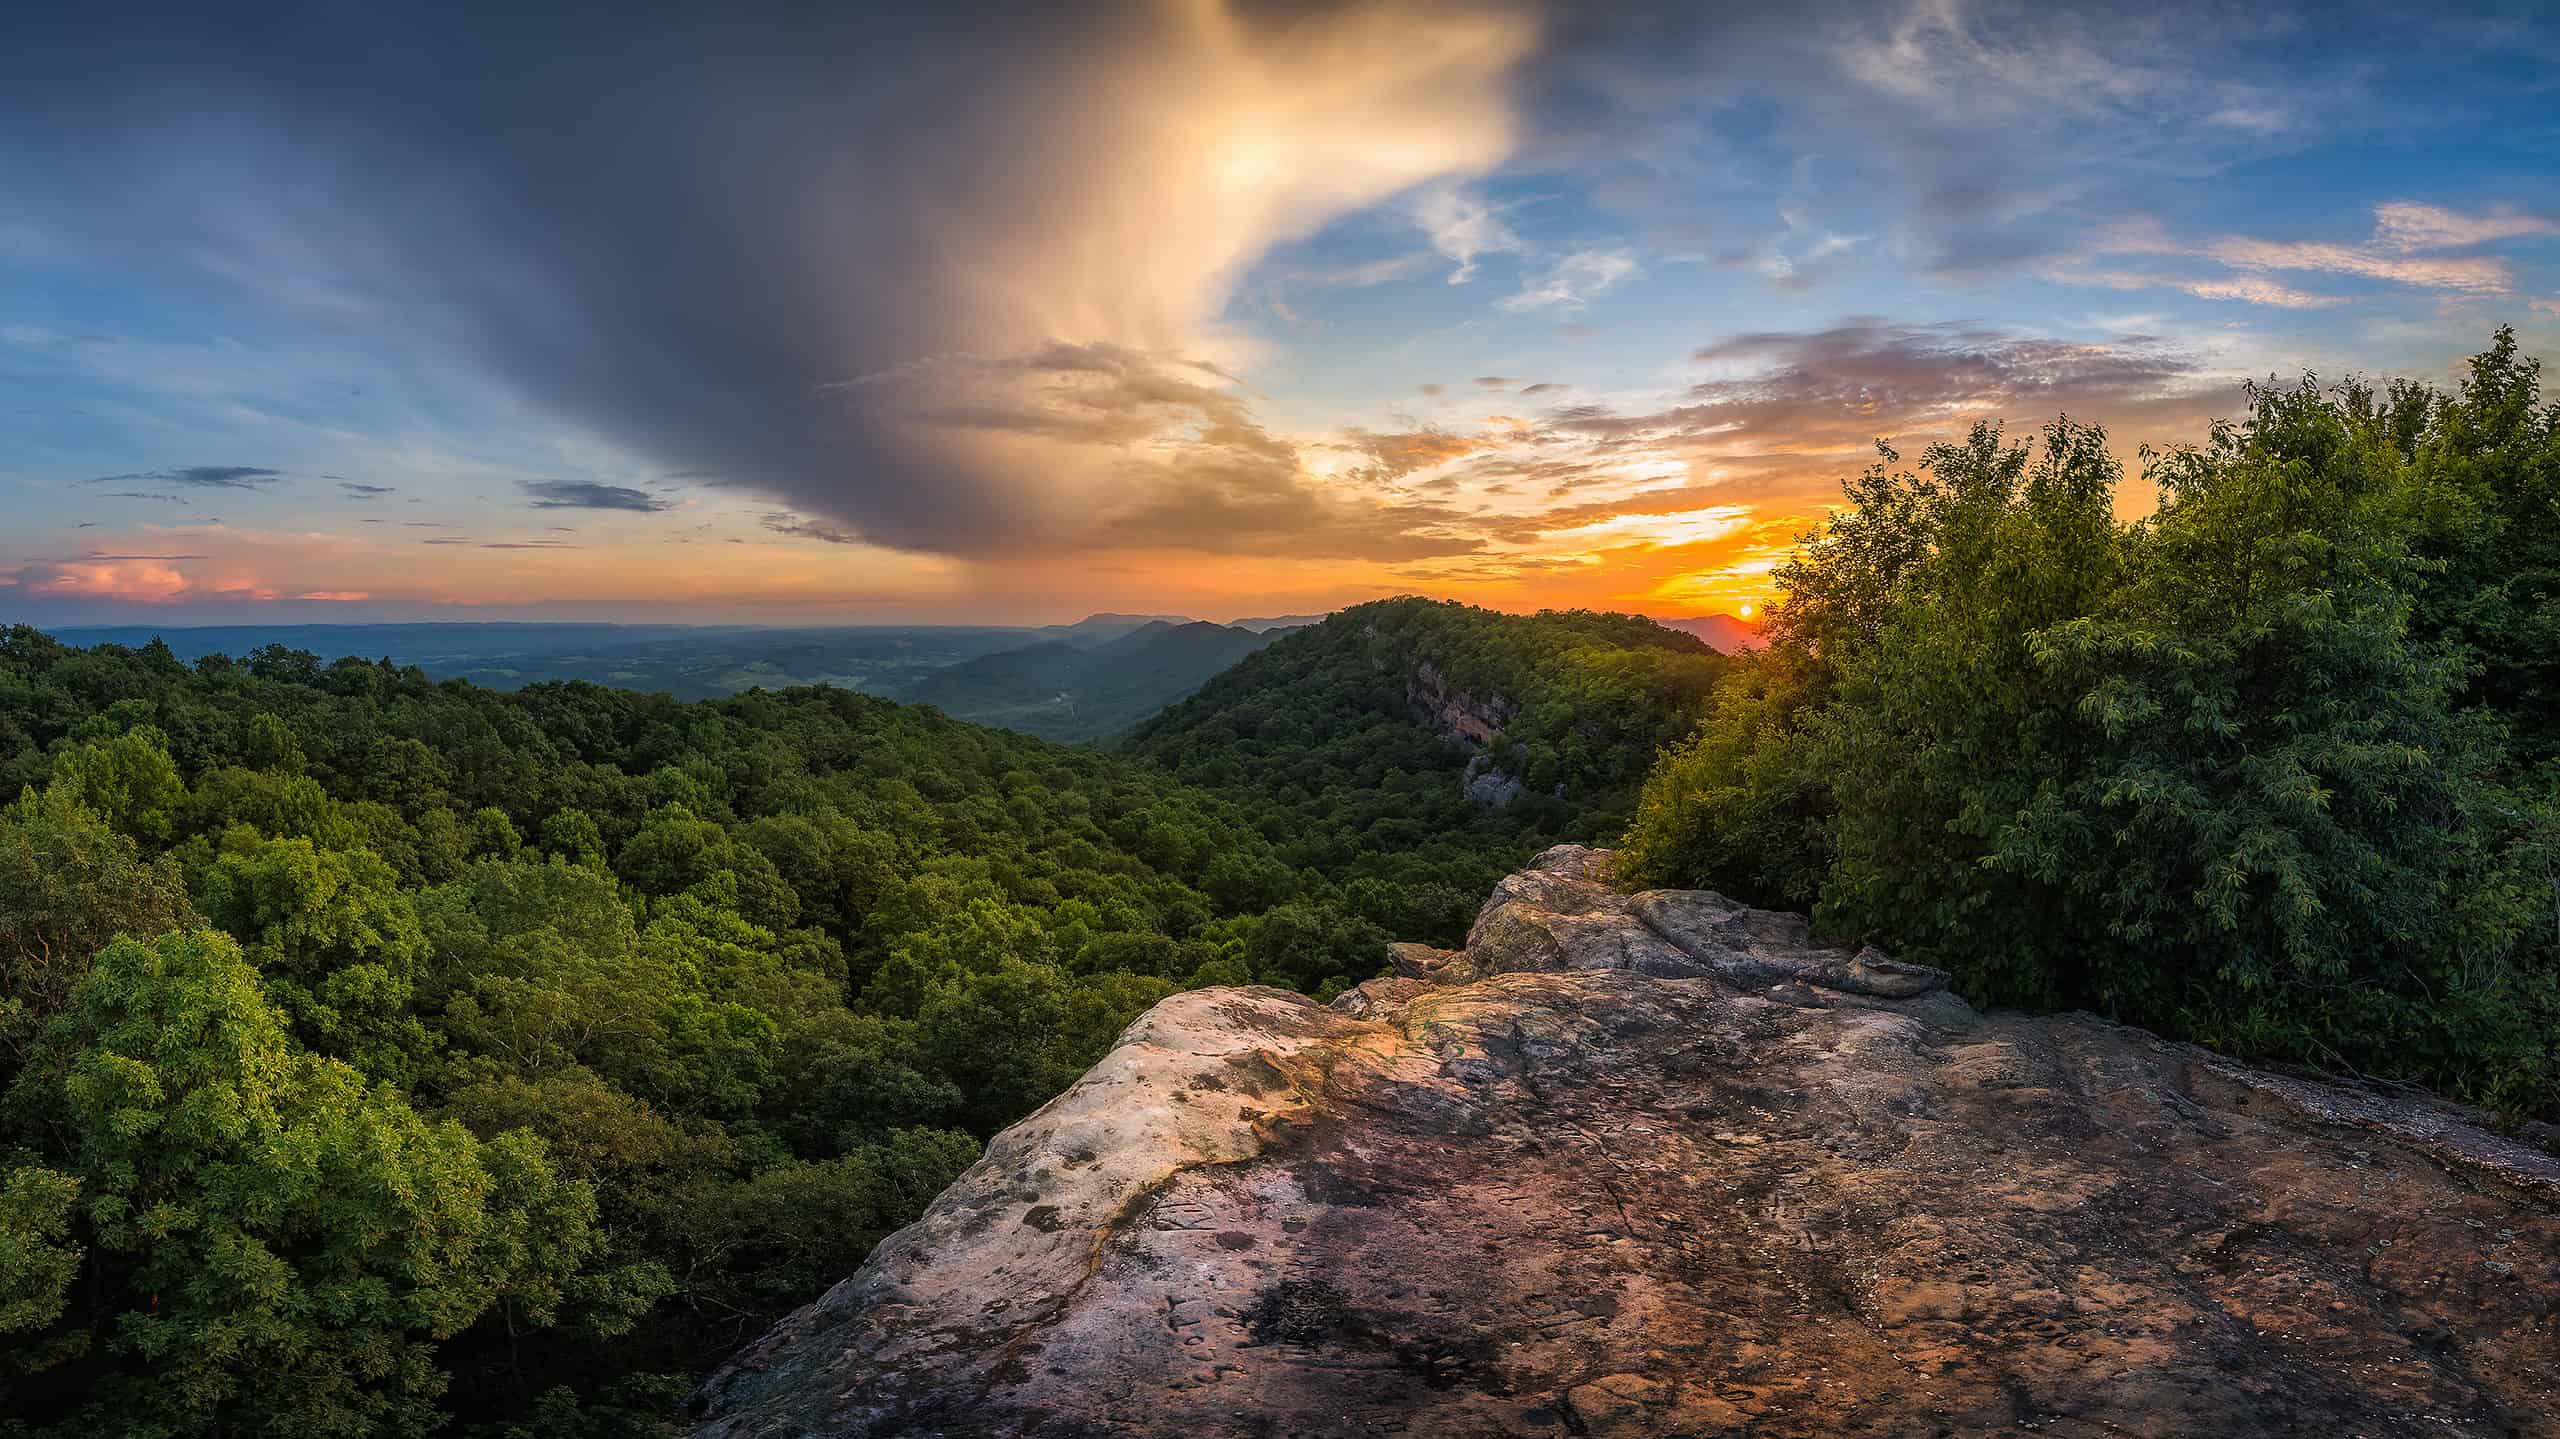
{"x": 1392, "y": 455}
{"x": 2408, "y": 226}
{"x": 1575, "y": 280}
{"x": 1783, "y": 415}
{"x": 2474, "y": 274}
{"x": 1463, "y": 228}
{"x": 2248, "y": 289}
{"x": 2407, "y": 246}
{"x": 2257, "y": 290}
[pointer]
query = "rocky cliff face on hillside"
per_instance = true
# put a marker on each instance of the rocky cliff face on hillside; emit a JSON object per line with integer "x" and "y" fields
{"x": 1660, "y": 1164}
{"x": 1452, "y": 713}
{"x": 1475, "y": 723}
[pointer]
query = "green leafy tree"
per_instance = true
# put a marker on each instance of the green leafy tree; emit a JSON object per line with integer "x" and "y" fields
{"x": 280, "y": 1245}
{"x": 38, "y": 1258}
{"x": 572, "y": 835}
{"x": 68, "y": 885}
{"x": 339, "y": 944}
{"x": 128, "y": 780}
{"x": 1310, "y": 947}
{"x": 2260, "y": 769}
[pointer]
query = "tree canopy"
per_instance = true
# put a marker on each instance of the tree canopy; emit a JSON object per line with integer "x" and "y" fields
{"x": 2273, "y": 767}
{"x": 384, "y": 1053}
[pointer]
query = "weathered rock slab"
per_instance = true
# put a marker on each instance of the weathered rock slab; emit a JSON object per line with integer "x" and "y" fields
{"x": 1540, "y": 1188}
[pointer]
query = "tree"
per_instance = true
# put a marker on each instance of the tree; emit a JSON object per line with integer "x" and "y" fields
{"x": 38, "y": 1259}
{"x": 338, "y": 943}
{"x": 129, "y": 781}
{"x": 68, "y": 885}
{"x": 280, "y": 1246}
{"x": 1306, "y": 947}
{"x": 2257, "y": 770}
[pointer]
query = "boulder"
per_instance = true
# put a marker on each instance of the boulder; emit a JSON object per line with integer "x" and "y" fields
{"x": 1557, "y": 1184}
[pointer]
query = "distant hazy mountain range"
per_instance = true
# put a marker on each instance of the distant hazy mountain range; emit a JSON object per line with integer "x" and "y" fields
{"x": 1071, "y": 689}
{"x": 1078, "y": 681}
{"x": 1722, "y": 633}
{"x": 687, "y": 661}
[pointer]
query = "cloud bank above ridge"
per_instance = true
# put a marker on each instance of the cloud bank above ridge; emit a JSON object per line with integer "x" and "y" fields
{"x": 825, "y": 259}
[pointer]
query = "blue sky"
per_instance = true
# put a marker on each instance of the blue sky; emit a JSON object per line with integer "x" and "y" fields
{"x": 992, "y": 313}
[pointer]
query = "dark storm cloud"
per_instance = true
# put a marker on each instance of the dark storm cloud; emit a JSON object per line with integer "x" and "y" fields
{"x": 588, "y": 495}
{"x": 681, "y": 227}
{"x": 208, "y": 477}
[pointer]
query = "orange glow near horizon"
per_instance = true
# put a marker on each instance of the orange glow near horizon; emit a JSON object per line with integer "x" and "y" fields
{"x": 1523, "y": 519}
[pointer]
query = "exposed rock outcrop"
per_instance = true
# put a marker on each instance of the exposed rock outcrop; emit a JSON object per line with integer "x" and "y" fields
{"x": 1452, "y": 713}
{"x": 1488, "y": 784}
{"x": 1661, "y": 1164}
{"x": 1476, "y": 723}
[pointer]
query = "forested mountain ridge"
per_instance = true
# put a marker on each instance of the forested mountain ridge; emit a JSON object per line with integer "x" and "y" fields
{"x": 380, "y": 1051}
{"x": 1340, "y": 740}
{"x": 514, "y": 1055}
{"x": 1079, "y": 689}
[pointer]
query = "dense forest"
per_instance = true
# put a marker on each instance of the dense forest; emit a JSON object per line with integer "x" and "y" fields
{"x": 381, "y": 1053}
{"x": 2273, "y": 768}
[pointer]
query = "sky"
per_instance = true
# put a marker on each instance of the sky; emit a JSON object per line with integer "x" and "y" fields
{"x": 775, "y": 313}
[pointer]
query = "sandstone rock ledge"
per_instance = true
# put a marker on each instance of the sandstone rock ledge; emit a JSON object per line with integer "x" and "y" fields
{"x": 1662, "y": 1165}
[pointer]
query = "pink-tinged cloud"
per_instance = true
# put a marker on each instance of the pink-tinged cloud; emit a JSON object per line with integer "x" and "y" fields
{"x": 2406, "y": 248}
{"x": 2476, "y": 274}
{"x": 2405, "y": 225}
{"x": 144, "y": 582}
